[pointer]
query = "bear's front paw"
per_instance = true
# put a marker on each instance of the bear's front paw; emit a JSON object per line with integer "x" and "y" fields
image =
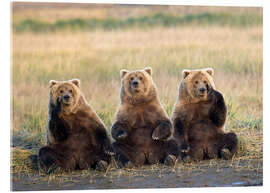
{"x": 154, "y": 136}
{"x": 56, "y": 108}
{"x": 118, "y": 131}
{"x": 60, "y": 134}
{"x": 186, "y": 159}
{"x": 211, "y": 94}
{"x": 215, "y": 96}
{"x": 225, "y": 154}
{"x": 170, "y": 160}
{"x": 162, "y": 132}
{"x": 160, "y": 136}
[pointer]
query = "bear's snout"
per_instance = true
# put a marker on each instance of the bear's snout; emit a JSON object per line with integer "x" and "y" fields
{"x": 135, "y": 83}
{"x": 66, "y": 97}
{"x": 202, "y": 89}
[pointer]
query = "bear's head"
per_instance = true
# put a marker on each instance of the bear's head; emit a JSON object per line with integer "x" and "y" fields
{"x": 67, "y": 92}
{"x": 137, "y": 86}
{"x": 196, "y": 84}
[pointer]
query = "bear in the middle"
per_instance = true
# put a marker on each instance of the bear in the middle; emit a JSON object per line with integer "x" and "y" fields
{"x": 142, "y": 129}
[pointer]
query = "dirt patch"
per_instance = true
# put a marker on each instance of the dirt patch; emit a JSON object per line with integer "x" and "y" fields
{"x": 213, "y": 173}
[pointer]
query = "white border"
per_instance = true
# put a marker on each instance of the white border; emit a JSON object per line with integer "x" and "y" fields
{"x": 5, "y": 80}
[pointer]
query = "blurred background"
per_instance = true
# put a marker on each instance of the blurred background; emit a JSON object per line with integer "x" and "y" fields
{"x": 93, "y": 42}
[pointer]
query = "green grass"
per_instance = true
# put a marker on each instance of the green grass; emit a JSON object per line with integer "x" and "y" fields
{"x": 158, "y": 19}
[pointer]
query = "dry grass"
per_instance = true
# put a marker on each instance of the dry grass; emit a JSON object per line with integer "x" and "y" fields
{"x": 96, "y": 58}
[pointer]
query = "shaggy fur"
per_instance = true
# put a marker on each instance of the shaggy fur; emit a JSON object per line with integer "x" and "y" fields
{"x": 76, "y": 137}
{"x": 199, "y": 117}
{"x": 142, "y": 130}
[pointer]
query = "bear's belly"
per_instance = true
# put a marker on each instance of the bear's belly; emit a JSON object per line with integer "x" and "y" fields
{"x": 81, "y": 142}
{"x": 203, "y": 132}
{"x": 141, "y": 138}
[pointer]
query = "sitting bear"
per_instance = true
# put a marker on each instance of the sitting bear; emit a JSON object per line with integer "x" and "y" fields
{"x": 199, "y": 117}
{"x": 142, "y": 129}
{"x": 76, "y": 137}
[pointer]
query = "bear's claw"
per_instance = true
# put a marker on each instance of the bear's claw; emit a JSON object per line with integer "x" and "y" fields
{"x": 155, "y": 138}
{"x": 121, "y": 136}
{"x": 170, "y": 160}
{"x": 225, "y": 153}
{"x": 185, "y": 149}
{"x": 102, "y": 166}
{"x": 109, "y": 152}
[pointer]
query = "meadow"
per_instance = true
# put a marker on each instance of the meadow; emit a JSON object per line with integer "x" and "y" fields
{"x": 94, "y": 43}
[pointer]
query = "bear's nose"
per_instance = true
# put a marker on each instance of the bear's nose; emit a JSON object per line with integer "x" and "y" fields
{"x": 135, "y": 83}
{"x": 66, "y": 97}
{"x": 202, "y": 90}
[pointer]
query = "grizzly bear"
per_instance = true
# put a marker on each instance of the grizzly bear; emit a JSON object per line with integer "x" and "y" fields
{"x": 199, "y": 117}
{"x": 76, "y": 137}
{"x": 142, "y": 130}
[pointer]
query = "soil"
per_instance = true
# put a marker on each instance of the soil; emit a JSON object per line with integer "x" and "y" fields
{"x": 217, "y": 173}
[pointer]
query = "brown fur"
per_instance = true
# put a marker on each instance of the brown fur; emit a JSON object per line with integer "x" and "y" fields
{"x": 142, "y": 130}
{"x": 199, "y": 117}
{"x": 76, "y": 136}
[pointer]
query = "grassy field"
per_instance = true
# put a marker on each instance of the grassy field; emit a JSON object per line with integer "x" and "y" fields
{"x": 93, "y": 43}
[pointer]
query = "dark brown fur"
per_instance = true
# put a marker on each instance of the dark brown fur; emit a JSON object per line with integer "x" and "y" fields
{"x": 142, "y": 130}
{"x": 199, "y": 123}
{"x": 77, "y": 139}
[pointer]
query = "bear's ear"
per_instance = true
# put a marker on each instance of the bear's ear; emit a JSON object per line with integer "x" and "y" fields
{"x": 148, "y": 70}
{"x": 185, "y": 73}
{"x": 210, "y": 71}
{"x": 52, "y": 82}
{"x": 123, "y": 73}
{"x": 76, "y": 82}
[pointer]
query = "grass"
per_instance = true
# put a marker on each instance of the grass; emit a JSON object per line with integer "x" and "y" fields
{"x": 228, "y": 40}
{"x": 158, "y": 19}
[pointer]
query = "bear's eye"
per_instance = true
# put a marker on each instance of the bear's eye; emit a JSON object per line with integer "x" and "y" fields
{"x": 70, "y": 91}
{"x": 131, "y": 78}
{"x": 140, "y": 78}
{"x": 196, "y": 82}
{"x": 205, "y": 82}
{"x": 61, "y": 91}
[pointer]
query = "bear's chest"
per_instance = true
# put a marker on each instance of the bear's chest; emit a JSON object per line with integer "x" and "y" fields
{"x": 81, "y": 131}
{"x": 141, "y": 123}
{"x": 195, "y": 112}
{"x": 141, "y": 118}
{"x": 141, "y": 136}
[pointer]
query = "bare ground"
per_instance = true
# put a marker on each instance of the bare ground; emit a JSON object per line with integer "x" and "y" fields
{"x": 209, "y": 173}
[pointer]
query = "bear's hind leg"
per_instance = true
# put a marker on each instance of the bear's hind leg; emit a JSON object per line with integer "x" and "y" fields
{"x": 127, "y": 155}
{"x": 171, "y": 153}
{"x": 211, "y": 152}
{"x": 51, "y": 157}
{"x": 228, "y": 146}
{"x": 119, "y": 157}
{"x": 196, "y": 153}
{"x": 101, "y": 165}
{"x": 47, "y": 160}
{"x": 170, "y": 160}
